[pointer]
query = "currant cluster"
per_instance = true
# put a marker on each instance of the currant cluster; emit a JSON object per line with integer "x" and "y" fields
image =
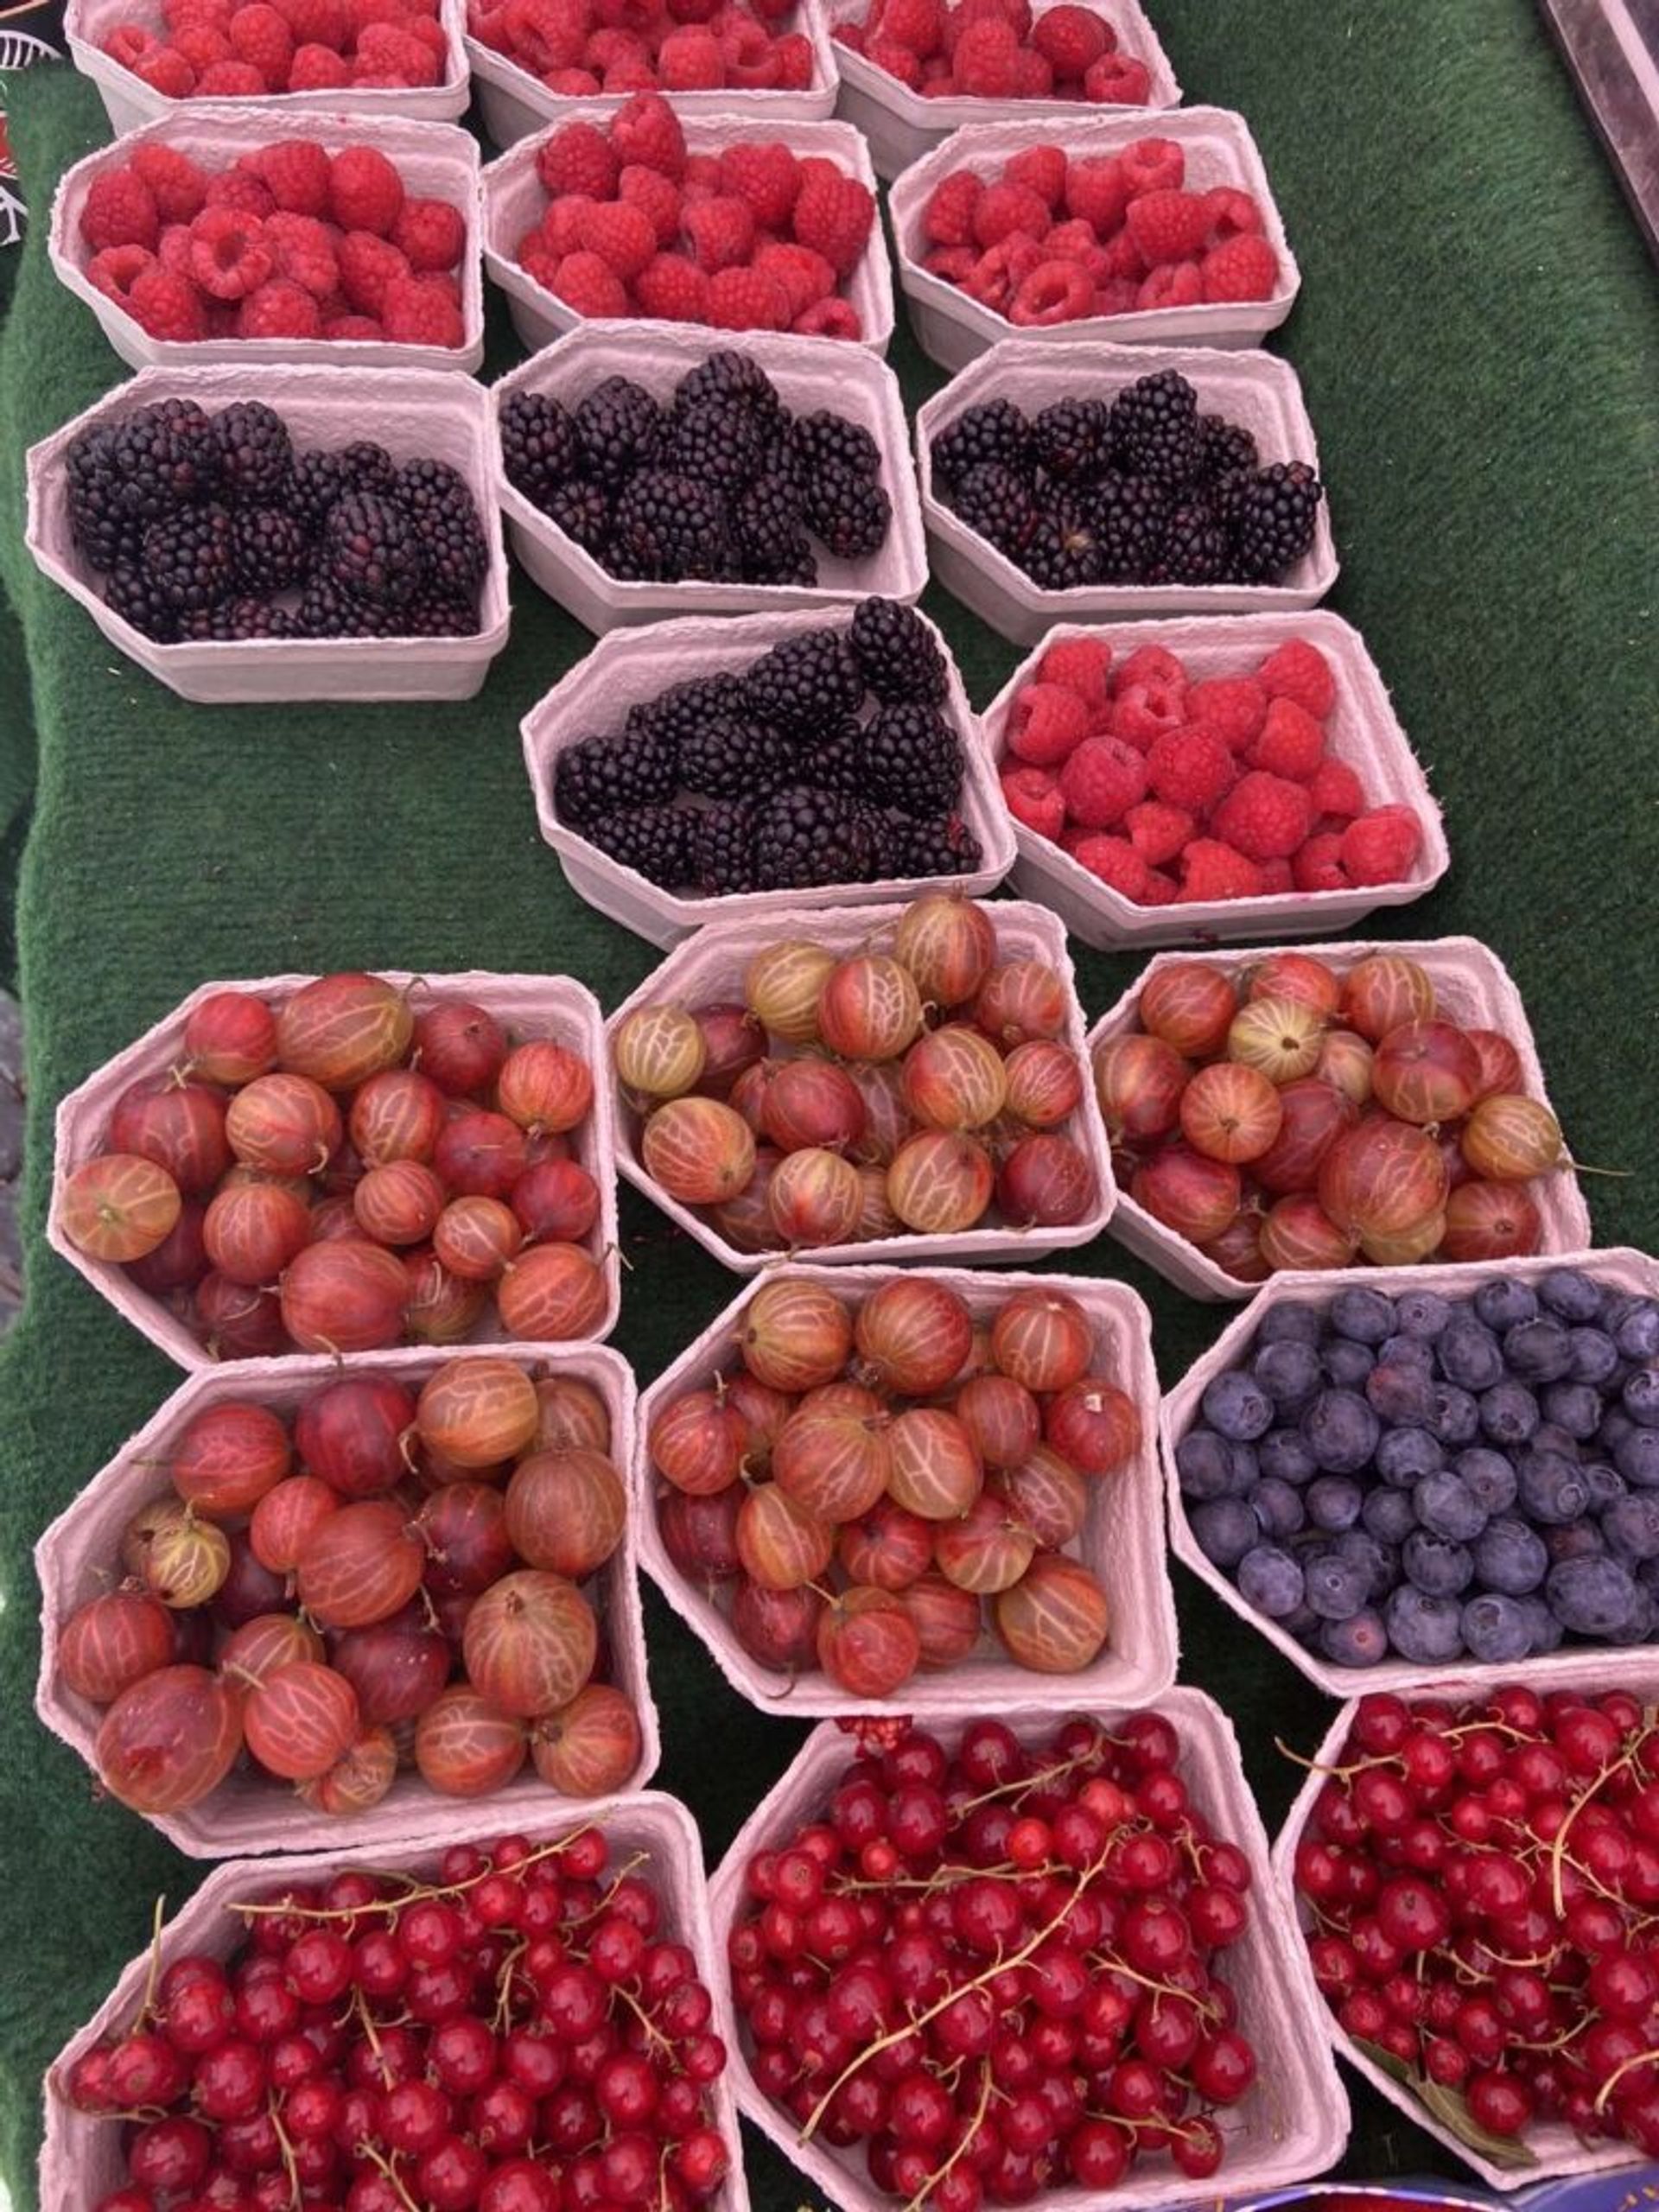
{"x": 521, "y": 2034}
{"x": 996, "y": 1967}
{"x": 1479, "y": 1883}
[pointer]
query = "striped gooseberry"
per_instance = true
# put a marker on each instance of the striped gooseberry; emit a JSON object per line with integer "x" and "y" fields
{"x": 1003, "y": 1417}
{"x": 570, "y": 1414}
{"x": 249, "y": 1587}
{"x": 346, "y": 1295}
{"x": 467, "y": 1747}
{"x": 1426, "y": 1071}
{"x": 876, "y": 1219}
{"x": 947, "y": 1620}
{"x": 284, "y": 1123}
{"x": 1093, "y": 1425}
{"x": 1195, "y": 1197}
{"x": 940, "y": 1182}
{"x": 779, "y": 1543}
{"x": 530, "y": 1641}
{"x": 697, "y": 1151}
{"x": 1346, "y": 1060}
{"x": 230, "y": 1037}
{"x": 1509, "y": 1138}
{"x": 1237, "y": 1250}
{"x": 1045, "y": 1083}
{"x": 1021, "y": 1000}
{"x": 1046, "y": 1182}
{"x": 285, "y": 1518}
{"x": 1313, "y": 1114}
{"x": 341, "y": 1029}
{"x": 298, "y": 1719}
{"x": 781, "y": 987}
{"x": 746, "y": 1221}
{"x": 1048, "y": 1494}
{"x": 252, "y": 1230}
{"x": 1139, "y": 1080}
{"x": 887, "y": 1548}
{"x": 461, "y": 1046}
{"x": 731, "y": 1041}
{"x": 778, "y": 1628}
{"x": 833, "y": 1461}
{"x": 1298, "y": 1233}
{"x": 1230, "y": 1111}
{"x": 235, "y": 1320}
{"x": 1406, "y": 1248}
{"x": 1043, "y": 1338}
{"x": 117, "y": 1206}
{"x": 867, "y": 1643}
{"x": 545, "y": 1086}
{"x": 267, "y": 1642}
{"x": 113, "y": 1639}
{"x": 400, "y": 1203}
{"x": 178, "y": 1124}
{"x": 1500, "y": 1064}
{"x": 1190, "y": 1004}
{"x": 763, "y": 1410}
{"x": 227, "y": 1457}
{"x": 1277, "y": 1038}
{"x": 911, "y": 1335}
{"x": 551, "y": 1293}
{"x": 360, "y": 1566}
{"x": 397, "y": 1114}
{"x": 814, "y": 1198}
{"x": 794, "y": 1335}
{"x": 936, "y": 1471}
{"x": 478, "y": 1412}
{"x": 475, "y": 1237}
{"x": 1056, "y": 1618}
{"x": 397, "y": 1666}
{"x": 168, "y": 1739}
{"x": 440, "y": 1309}
{"x": 589, "y": 1747}
{"x": 869, "y": 1008}
{"x": 949, "y": 945}
{"x": 658, "y": 1051}
{"x": 696, "y": 1442}
{"x": 358, "y": 1780}
{"x": 186, "y": 1562}
{"x": 751, "y": 1091}
{"x": 1383, "y": 1179}
{"x": 565, "y": 1511}
{"x": 1295, "y": 976}
{"x": 554, "y": 1202}
{"x": 700, "y": 1534}
{"x": 354, "y": 1433}
{"x": 464, "y": 1528}
{"x": 988, "y": 1550}
{"x": 887, "y": 1122}
{"x": 954, "y": 1078}
{"x": 807, "y": 1102}
{"x": 1383, "y": 990}
{"x": 480, "y": 1154}
{"x": 1492, "y": 1221}
{"x": 180, "y": 1261}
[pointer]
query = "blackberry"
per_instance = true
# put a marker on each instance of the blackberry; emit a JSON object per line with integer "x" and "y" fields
{"x": 328, "y": 611}
{"x": 539, "y": 445}
{"x": 439, "y": 501}
{"x": 726, "y": 756}
{"x": 190, "y": 557}
{"x": 675, "y": 716}
{"x": 911, "y": 757}
{"x": 937, "y": 844}
{"x": 131, "y": 592}
{"x": 617, "y": 772}
{"x": 1227, "y": 447}
{"x": 654, "y": 840}
{"x": 668, "y": 527}
{"x": 1073, "y": 440}
{"x": 721, "y": 853}
{"x": 618, "y": 426}
{"x": 720, "y": 441}
{"x": 831, "y": 757}
{"x": 1271, "y": 517}
{"x": 805, "y": 683}
{"x": 272, "y": 547}
{"x": 371, "y": 550}
{"x": 436, "y": 613}
{"x": 995, "y": 501}
{"x": 1063, "y": 551}
{"x": 1129, "y": 515}
{"x": 1155, "y": 429}
{"x": 319, "y": 479}
{"x": 235, "y": 621}
{"x": 255, "y": 451}
{"x": 582, "y": 510}
{"x": 997, "y": 431}
{"x": 848, "y": 513}
{"x": 731, "y": 376}
{"x": 805, "y": 838}
{"x": 122, "y": 476}
{"x": 827, "y": 440}
{"x": 769, "y": 535}
{"x": 896, "y": 652}
{"x": 1194, "y": 549}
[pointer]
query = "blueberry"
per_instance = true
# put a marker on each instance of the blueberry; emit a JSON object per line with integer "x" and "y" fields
{"x": 1434, "y": 1565}
{"x": 1278, "y": 1507}
{"x": 1289, "y": 1373}
{"x": 1401, "y": 1393}
{"x": 1224, "y": 1529}
{"x": 1468, "y": 1354}
{"x": 1569, "y": 1295}
{"x": 1379, "y": 1562}
{"x": 1284, "y": 1455}
{"x": 1333, "y": 1502}
{"x": 1206, "y": 1466}
{"x": 1447, "y": 1506}
{"x": 1592, "y": 1597}
{"x": 1637, "y": 1624}
{"x": 1389, "y": 1515}
{"x": 1511, "y": 1557}
{"x": 1488, "y": 1478}
{"x": 1640, "y": 1396}
{"x": 1345, "y": 1364}
{"x": 1595, "y": 1357}
{"x": 1237, "y": 1407}
{"x": 1638, "y": 1333}
{"x": 1636, "y": 1456}
{"x": 1574, "y": 1406}
{"x": 1336, "y": 1588}
{"x": 1509, "y": 1413}
{"x": 1503, "y": 1303}
{"x": 1404, "y": 1456}
{"x": 1403, "y": 1350}
{"x": 1360, "y": 1641}
{"x": 1616, "y": 1426}
{"x": 1289, "y": 1323}
{"x": 1363, "y": 1316}
{"x": 1495, "y": 1630}
{"x": 1544, "y": 1629}
{"x": 1454, "y": 1415}
{"x": 1303, "y": 1623}
{"x": 1270, "y": 1580}
{"x": 1606, "y": 1483}
{"x": 1426, "y": 1629}
{"x": 1538, "y": 1351}
{"x": 1630, "y": 1525}
{"x": 1550, "y": 1488}
{"x": 1549, "y": 1436}
{"x": 1574, "y": 1540}
{"x": 1342, "y": 1430}
{"x": 1422, "y": 1313}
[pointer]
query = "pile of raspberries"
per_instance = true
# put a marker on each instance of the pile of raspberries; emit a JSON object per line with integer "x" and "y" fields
{"x": 752, "y": 237}
{"x": 998, "y": 50}
{"x": 1173, "y": 790}
{"x": 291, "y": 241}
{"x": 238, "y": 49}
{"x": 583, "y": 47}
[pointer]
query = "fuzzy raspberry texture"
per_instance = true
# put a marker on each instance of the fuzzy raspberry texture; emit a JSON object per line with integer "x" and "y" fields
{"x": 999, "y": 50}
{"x": 581, "y": 47}
{"x": 246, "y": 49}
{"x": 1056, "y": 239}
{"x": 1172, "y": 785}
{"x": 292, "y": 242}
{"x": 754, "y": 237}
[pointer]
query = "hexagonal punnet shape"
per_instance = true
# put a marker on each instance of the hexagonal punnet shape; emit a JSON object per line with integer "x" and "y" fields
{"x": 526, "y": 1005}
{"x": 1258, "y": 391}
{"x": 78, "y": 1557}
{"x": 1473, "y": 987}
{"x": 630, "y": 666}
{"x": 1559, "y": 2154}
{"x": 1295, "y": 2121}
{"x": 951, "y": 327}
{"x": 1122, "y": 1541}
{"x": 1363, "y": 730}
{"x": 1630, "y": 1270}
{"x": 81, "y": 2160}
{"x": 710, "y": 967}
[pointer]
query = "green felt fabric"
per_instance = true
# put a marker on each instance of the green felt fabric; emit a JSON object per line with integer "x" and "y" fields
{"x": 1480, "y": 349}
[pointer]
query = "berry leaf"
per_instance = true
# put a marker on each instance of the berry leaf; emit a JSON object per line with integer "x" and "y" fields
{"x": 1450, "y": 2108}
{"x": 1386, "y": 2062}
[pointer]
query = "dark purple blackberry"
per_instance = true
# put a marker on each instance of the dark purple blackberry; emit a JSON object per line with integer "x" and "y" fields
{"x": 769, "y": 535}
{"x": 805, "y": 682}
{"x": 1227, "y": 447}
{"x": 911, "y": 757}
{"x": 939, "y": 844}
{"x": 618, "y": 426}
{"x": 805, "y": 838}
{"x": 720, "y": 441}
{"x": 668, "y": 527}
{"x": 677, "y": 714}
{"x": 654, "y": 840}
{"x": 1194, "y": 548}
{"x": 133, "y": 595}
{"x": 726, "y": 756}
{"x": 273, "y": 548}
{"x": 190, "y": 557}
{"x": 618, "y": 771}
{"x": 328, "y": 611}
{"x": 435, "y": 613}
{"x": 319, "y": 478}
{"x": 848, "y": 512}
{"x": 897, "y": 654}
{"x": 1129, "y": 517}
{"x": 122, "y": 476}
{"x": 1073, "y": 440}
{"x": 582, "y": 509}
{"x": 996, "y": 431}
{"x": 370, "y": 550}
{"x": 255, "y": 451}
{"x": 722, "y": 853}
{"x": 539, "y": 445}
{"x": 1155, "y": 429}
{"x": 824, "y": 440}
{"x": 233, "y": 621}
{"x": 1062, "y": 551}
{"x": 831, "y": 757}
{"x": 996, "y": 502}
{"x": 726, "y": 376}
{"x": 439, "y": 501}
{"x": 1271, "y": 517}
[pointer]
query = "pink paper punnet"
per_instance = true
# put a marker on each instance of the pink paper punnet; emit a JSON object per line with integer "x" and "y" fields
{"x": 81, "y": 2161}
{"x": 1629, "y": 1270}
{"x": 808, "y": 373}
{"x": 1293, "y": 2124}
{"x": 952, "y": 328}
{"x": 435, "y": 160}
{"x": 79, "y": 1557}
{"x": 1473, "y": 987}
{"x": 412, "y": 412}
{"x": 526, "y": 1005}
{"x": 1256, "y": 391}
{"x": 515, "y": 198}
{"x": 1363, "y": 730}
{"x": 630, "y": 666}
{"x": 1122, "y": 1541}
{"x": 710, "y": 966}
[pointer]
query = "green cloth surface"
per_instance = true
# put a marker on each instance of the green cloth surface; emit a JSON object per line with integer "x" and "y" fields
{"x": 1480, "y": 350}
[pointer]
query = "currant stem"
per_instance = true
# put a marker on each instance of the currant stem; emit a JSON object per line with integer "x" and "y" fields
{"x": 961, "y": 2150}
{"x": 416, "y": 1892}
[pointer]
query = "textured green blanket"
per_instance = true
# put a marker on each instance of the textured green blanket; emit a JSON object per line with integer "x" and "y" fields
{"x": 1480, "y": 350}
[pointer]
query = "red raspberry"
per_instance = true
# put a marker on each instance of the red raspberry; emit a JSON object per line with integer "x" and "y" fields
{"x": 656, "y": 198}
{"x": 1071, "y": 39}
{"x": 1102, "y": 780}
{"x": 318, "y": 69}
{"x": 1048, "y": 723}
{"x": 1159, "y": 831}
{"x": 114, "y": 269}
{"x": 177, "y": 14}
{"x": 997, "y": 275}
{"x": 1041, "y": 169}
{"x": 1116, "y": 862}
{"x": 748, "y": 299}
{"x": 948, "y": 217}
{"x": 796, "y": 63}
{"x": 690, "y": 60}
{"x": 671, "y": 289}
{"x": 241, "y": 189}
{"x": 1382, "y": 846}
{"x": 1034, "y": 79}
{"x": 1096, "y": 192}
{"x": 167, "y": 305}
{"x": 1235, "y": 707}
{"x": 1158, "y": 889}
{"x": 1081, "y": 665}
{"x": 1190, "y": 768}
{"x": 1055, "y": 292}
{"x": 173, "y": 249}
{"x": 1300, "y": 670}
{"x": 579, "y": 158}
{"x": 1116, "y": 296}
{"x": 166, "y": 71}
{"x": 129, "y": 43}
{"x": 1003, "y": 209}
{"x": 1213, "y": 870}
{"x": 764, "y": 176}
{"x": 1151, "y": 664}
{"x": 1032, "y": 797}
{"x": 806, "y": 278}
{"x": 573, "y": 84}
{"x": 584, "y": 282}
{"x": 1167, "y": 226}
{"x": 562, "y": 224}
{"x": 955, "y": 263}
{"x": 1120, "y": 261}
{"x": 833, "y": 214}
{"x": 917, "y": 24}
{"x": 295, "y": 172}
{"x": 1176, "y": 284}
{"x": 546, "y": 34}
{"x": 610, "y": 49}
{"x": 365, "y": 191}
{"x": 646, "y": 130}
{"x": 177, "y": 186}
{"x": 259, "y": 36}
{"x": 431, "y": 233}
{"x": 898, "y": 61}
{"x": 1335, "y": 791}
{"x": 1116, "y": 80}
{"x": 751, "y": 58}
{"x": 424, "y": 311}
{"x": 1290, "y": 742}
{"x": 304, "y": 252}
{"x": 1232, "y": 212}
{"x": 387, "y": 54}
{"x": 1153, "y": 165}
{"x": 367, "y": 265}
{"x": 622, "y": 237}
{"x": 1265, "y": 817}
{"x": 1142, "y": 712}
{"x": 1317, "y": 866}
{"x": 721, "y": 231}
{"x": 536, "y": 258}
{"x": 986, "y": 59}
{"x": 119, "y": 210}
{"x": 229, "y": 258}
{"x": 1243, "y": 269}
{"x": 279, "y": 309}
{"x": 702, "y": 177}
{"x": 313, "y": 23}
{"x": 836, "y": 318}
{"x": 636, "y": 16}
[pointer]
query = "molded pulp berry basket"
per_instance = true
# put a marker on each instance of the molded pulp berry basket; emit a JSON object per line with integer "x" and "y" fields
{"x": 710, "y": 966}
{"x": 632, "y": 666}
{"x": 952, "y": 328}
{"x": 526, "y": 1005}
{"x": 1631, "y": 1271}
{"x": 515, "y": 199}
{"x": 901, "y": 125}
{"x": 128, "y": 101}
{"x": 79, "y": 1556}
{"x": 513, "y": 101}
{"x": 81, "y": 2160}
{"x": 1560, "y": 2154}
{"x": 1122, "y": 1541}
{"x": 435, "y": 160}
{"x": 1473, "y": 987}
{"x": 808, "y": 373}
{"x": 412, "y": 413}
{"x": 1293, "y": 2123}
{"x": 1257, "y": 391}
{"x": 1362, "y": 730}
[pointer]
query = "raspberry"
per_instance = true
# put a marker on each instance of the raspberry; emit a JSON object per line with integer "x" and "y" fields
{"x": 388, "y": 54}
{"x": 119, "y": 210}
{"x": 690, "y": 60}
{"x": 1382, "y": 846}
{"x": 796, "y": 61}
{"x": 259, "y": 36}
{"x": 1235, "y": 707}
{"x": 656, "y": 198}
{"x": 1082, "y": 664}
{"x": 1158, "y": 890}
{"x": 1100, "y": 780}
{"x": 748, "y": 56}
{"x": 573, "y": 84}
{"x": 701, "y": 179}
{"x": 1167, "y": 226}
{"x": 229, "y": 258}
{"x": 177, "y": 186}
{"x": 114, "y": 269}
{"x": 588, "y": 284}
{"x": 1290, "y": 743}
{"x": 1159, "y": 831}
{"x": 1265, "y": 817}
{"x": 537, "y": 258}
{"x": 578, "y": 159}
{"x": 430, "y": 234}
{"x": 1034, "y": 79}
{"x": 1096, "y": 192}
{"x": 1317, "y": 866}
{"x": 1116, "y": 862}
{"x": 1003, "y": 209}
{"x": 995, "y": 275}
{"x": 1174, "y": 284}
{"x": 1334, "y": 789}
{"x": 986, "y": 59}
{"x": 1142, "y": 712}
{"x": 1055, "y": 292}
{"x": 279, "y": 309}
{"x": 721, "y": 231}
{"x": 836, "y": 318}
{"x": 304, "y": 252}
{"x": 948, "y": 217}
{"x": 241, "y": 189}
{"x": 1190, "y": 768}
{"x": 168, "y": 71}
{"x": 365, "y": 191}
{"x": 295, "y": 172}
{"x": 1049, "y": 722}
{"x": 1213, "y": 870}
{"x": 424, "y": 311}
{"x": 1120, "y": 259}
{"x": 128, "y": 44}
{"x": 1071, "y": 40}
{"x": 562, "y": 224}
{"x": 647, "y": 132}
{"x": 313, "y": 23}
{"x": 1151, "y": 664}
{"x": 367, "y": 265}
{"x": 748, "y": 299}
{"x": 805, "y": 276}
{"x": 955, "y": 263}
{"x": 1033, "y": 800}
{"x": 621, "y": 236}
{"x": 1153, "y": 165}
{"x": 318, "y": 69}
{"x": 916, "y": 24}
{"x": 167, "y": 304}
{"x": 1041, "y": 169}
{"x": 767, "y": 177}
{"x": 1116, "y": 81}
{"x": 172, "y": 251}
{"x": 545, "y": 35}
{"x": 1232, "y": 212}
{"x": 671, "y": 289}
{"x": 1245, "y": 267}
{"x": 1301, "y": 672}
{"x": 833, "y": 214}
{"x": 351, "y": 326}
{"x": 898, "y": 61}
{"x": 1116, "y": 296}
{"x": 611, "y": 49}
